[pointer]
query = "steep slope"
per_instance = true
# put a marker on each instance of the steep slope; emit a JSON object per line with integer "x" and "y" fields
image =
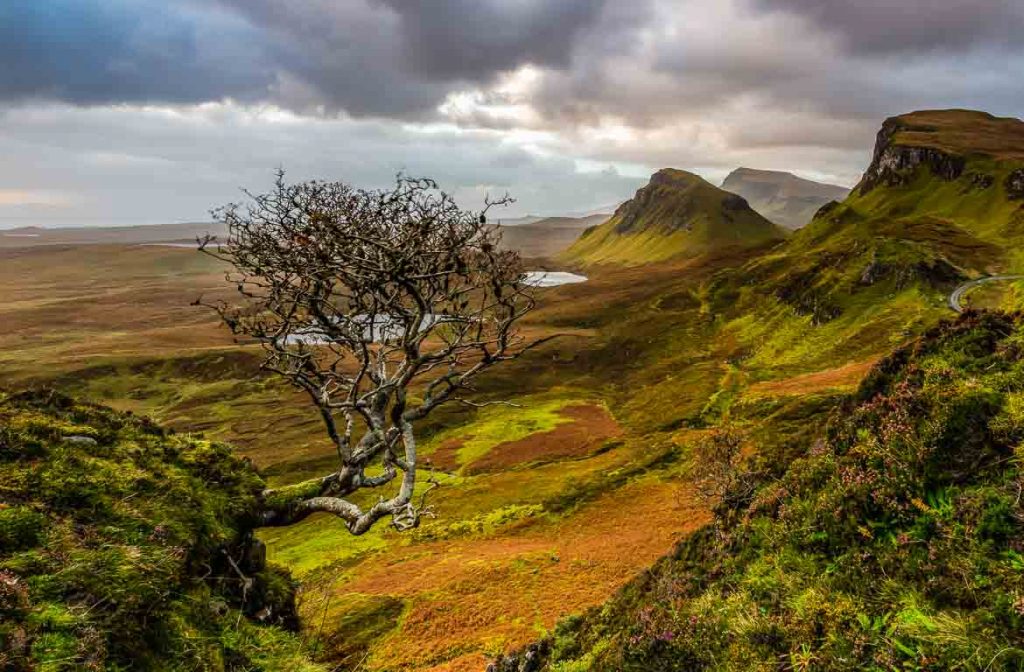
{"x": 678, "y": 214}
{"x": 784, "y": 198}
{"x": 939, "y": 203}
{"x": 895, "y": 543}
{"x": 962, "y": 168}
{"x": 125, "y": 547}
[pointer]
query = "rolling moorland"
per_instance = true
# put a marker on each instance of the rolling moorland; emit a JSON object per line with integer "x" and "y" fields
{"x": 530, "y": 236}
{"x": 876, "y": 438}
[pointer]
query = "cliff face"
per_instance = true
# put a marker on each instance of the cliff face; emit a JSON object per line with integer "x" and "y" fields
{"x": 1015, "y": 185}
{"x": 948, "y": 142}
{"x": 895, "y": 164}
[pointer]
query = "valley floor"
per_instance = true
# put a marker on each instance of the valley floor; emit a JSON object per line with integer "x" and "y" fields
{"x": 543, "y": 510}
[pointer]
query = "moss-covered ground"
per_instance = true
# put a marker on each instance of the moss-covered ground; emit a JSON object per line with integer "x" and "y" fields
{"x": 115, "y": 539}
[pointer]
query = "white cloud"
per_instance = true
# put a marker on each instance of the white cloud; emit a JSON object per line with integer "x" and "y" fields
{"x": 127, "y": 164}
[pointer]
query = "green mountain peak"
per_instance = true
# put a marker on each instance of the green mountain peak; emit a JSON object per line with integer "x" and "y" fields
{"x": 677, "y": 214}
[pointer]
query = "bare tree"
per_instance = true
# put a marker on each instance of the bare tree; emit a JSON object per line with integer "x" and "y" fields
{"x": 382, "y": 306}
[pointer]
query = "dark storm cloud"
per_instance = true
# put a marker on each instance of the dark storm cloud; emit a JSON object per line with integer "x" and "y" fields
{"x": 472, "y": 39}
{"x": 401, "y": 57}
{"x": 99, "y": 51}
{"x": 366, "y": 57}
{"x": 748, "y": 63}
{"x": 437, "y": 87}
{"x": 884, "y": 26}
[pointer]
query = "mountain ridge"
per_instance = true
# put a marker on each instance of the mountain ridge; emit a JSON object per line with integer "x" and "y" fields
{"x": 677, "y": 214}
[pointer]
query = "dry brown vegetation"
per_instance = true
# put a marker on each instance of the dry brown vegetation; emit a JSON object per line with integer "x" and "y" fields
{"x": 965, "y": 132}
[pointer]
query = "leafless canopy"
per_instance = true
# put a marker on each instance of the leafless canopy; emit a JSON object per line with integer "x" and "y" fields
{"x": 382, "y": 306}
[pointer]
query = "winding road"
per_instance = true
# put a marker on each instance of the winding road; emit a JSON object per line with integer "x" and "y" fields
{"x": 958, "y": 293}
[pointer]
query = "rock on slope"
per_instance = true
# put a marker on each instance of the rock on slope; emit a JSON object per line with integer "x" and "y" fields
{"x": 678, "y": 214}
{"x": 784, "y": 198}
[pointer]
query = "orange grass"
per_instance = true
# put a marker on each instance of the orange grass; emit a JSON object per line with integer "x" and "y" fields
{"x": 843, "y": 377}
{"x": 469, "y": 597}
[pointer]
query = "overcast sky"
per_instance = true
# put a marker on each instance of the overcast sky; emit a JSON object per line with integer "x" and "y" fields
{"x": 146, "y": 111}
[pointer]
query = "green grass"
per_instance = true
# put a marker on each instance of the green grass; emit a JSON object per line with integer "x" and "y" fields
{"x": 114, "y": 542}
{"x": 978, "y": 216}
{"x": 320, "y": 541}
{"x": 499, "y": 424}
{"x": 677, "y": 214}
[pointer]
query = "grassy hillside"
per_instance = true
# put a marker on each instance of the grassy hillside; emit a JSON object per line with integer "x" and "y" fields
{"x": 677, "y": 214}
{"x": 956, "y": 172}
{"x": 932, "y": 211}
{"x": 894, "y": 543}
{"x": 115, "y": 539}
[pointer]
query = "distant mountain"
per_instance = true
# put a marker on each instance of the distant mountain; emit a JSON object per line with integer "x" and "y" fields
{"x": 530, "y": 236}
{"x": 109, "y": 235}
{"x": 678, "y": 214}
{"x": 784, "y": 198}
{"x": 547, "y": 237}
{"x": 517, "y": 221}
{"x": 606, "y": 210}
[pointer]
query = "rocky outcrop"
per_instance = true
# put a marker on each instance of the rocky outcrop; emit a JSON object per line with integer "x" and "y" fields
{"x": 735, "y": 203}
{"x": 936, "y": 273}
{"x": 981, "y": 181}
{"x": 531, "y": 659}
{"x": 827, "y": 209}
{"x": 1015, "y": 185}
{"x": 894, "y": 164}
